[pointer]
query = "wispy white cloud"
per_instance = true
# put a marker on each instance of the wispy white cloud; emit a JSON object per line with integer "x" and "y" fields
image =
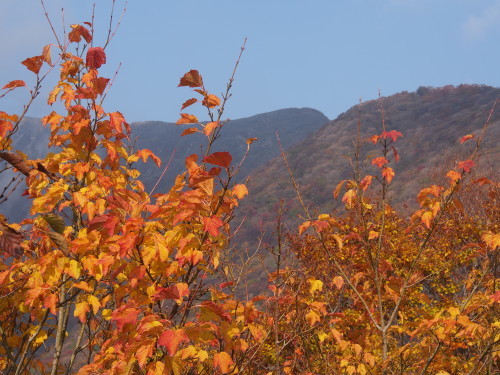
{"x": 477, "y": 26}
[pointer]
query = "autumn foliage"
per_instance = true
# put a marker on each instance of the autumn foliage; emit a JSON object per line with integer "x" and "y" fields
{"x": 105, "y": 277}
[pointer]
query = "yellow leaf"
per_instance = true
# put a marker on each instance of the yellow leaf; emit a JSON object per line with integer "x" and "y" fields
{"x": 74, "y": 269}
{"x": 240, "y": 191}
{"x": 42, "y": 336}
{"x": 362, "y": 369}
{"x": 322, "y": 336}
{"x": 312, "y": 317}
{"x": 316, "y": 285}
{"x": 94, "y": 302}
{"x": 427, "y": 218}
{"x": 106, "y": 314}
{"x": 344, "y": 363}
{"x": 372, "y": 235}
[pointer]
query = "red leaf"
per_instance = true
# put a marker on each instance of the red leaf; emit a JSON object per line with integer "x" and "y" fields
{"x": 177, "y": 291}
{"x": 171, "y": 339}
{"x": 96, "y": 57}
{"x": 365, "y": 182}
{"x": 34, "y": 63}
{"x": 465, "y": 138}
{"x": 13, "y": 84}
{"x": 125, "y": 315}
{"x": 212, "y": 225}
{"x": 466, "y": 165}
{"x": 396, "y": 155}
{"x": 188, "y": 102}
{"x": 222, "y": 159}
{"x": 393, "y": 134}
{"x": 10, "y": 240}
{"x": 191, "y": 79}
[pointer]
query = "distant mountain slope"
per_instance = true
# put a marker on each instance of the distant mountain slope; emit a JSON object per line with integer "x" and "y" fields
{"x": 431, "y": 120}
{"x": 293, "y": 124}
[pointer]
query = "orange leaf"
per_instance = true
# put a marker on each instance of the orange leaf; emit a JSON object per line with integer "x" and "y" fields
{"x": 427, "y": 218}
{"x": 117, "y": 121}
{"x": 348, "y": 197}
{"x": 212, "y": 225}
{"x": 249, "y": 141}
{"x": 466, "y": 165}
{"x": 223, "y": 362}
{"x": 304, "y": 226}
{"x": 222, "y": 159}
{"x": 365, "y": 182}
{"x": 465, "y": 138}
{"x": 338, "y": 281}
{"x": 211, "y": 101}
{"x": 50, "y": 302}
{"x": 13, "y": 84}
{"x": 145, "y": 153}
{"x": 454, "y": 175}
{"x": 143, "y": 353}
{"x": 171, "y": 339}
{"x": 191, "y": 79}
{"x": 78, "y": 32}
{"x": 188, "y": 102}
{"x": 339, "y": 186}
{"x": 34, "y": 63}
{"x": 240, "y": 190}
{"x": 209, "y": 128}
{"x": 187, "y": 119}
{"x": 374, "y": 138}
{"x": 483, "y": 181}
{"x": 189, "y": 131}
{"x": 491, "y": 239}
{"x": 380, "y": 161}
{"x": 321, "y": 225}
{"x": 47, "y": 55}
{"x": 81, "y": 310}
{"x": 388, "y": 174}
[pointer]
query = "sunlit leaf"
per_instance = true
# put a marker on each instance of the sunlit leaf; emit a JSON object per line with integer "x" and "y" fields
{"x": 191, "y": 79}
{"x": 222, "y": 159}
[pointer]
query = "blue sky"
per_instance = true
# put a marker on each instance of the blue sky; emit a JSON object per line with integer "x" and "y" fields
{"x": 324, "y": 54}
